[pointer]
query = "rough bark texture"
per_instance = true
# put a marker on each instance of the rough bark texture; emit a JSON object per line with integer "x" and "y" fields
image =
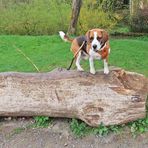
{"x": 76, "y": 6}
{"x": 116, "y": 98}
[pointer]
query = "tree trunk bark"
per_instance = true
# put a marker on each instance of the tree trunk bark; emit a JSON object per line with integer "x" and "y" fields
{"x": 135, "y": 5}
{"x": 111, "y": 99}
{"x": 139, "y": 15}
{"x": 76, "y": 6}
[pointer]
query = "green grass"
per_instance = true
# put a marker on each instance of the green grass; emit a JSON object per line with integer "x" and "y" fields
{"x": 49, "y": 52}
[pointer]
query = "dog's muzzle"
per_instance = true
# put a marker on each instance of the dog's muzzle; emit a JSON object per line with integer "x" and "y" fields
{"x": 101, "y": 48}
{"x": 95, "y": 47}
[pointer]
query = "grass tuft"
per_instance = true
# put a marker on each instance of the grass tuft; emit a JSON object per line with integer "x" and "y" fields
{"x": 42, "y": 121}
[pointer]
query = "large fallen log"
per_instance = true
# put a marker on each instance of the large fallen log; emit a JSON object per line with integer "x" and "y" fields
{"x": 116, "y": 98}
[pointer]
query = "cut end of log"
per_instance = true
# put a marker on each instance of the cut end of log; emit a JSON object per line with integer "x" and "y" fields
{"x": 111, "y": 99}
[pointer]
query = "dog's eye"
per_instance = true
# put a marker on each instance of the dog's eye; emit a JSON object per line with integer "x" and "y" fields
{"x": 98, "y": 38}
{"x": 91, "y": 38}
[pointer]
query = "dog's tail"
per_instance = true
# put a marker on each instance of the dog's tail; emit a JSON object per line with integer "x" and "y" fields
{"x": 64, "y": 37}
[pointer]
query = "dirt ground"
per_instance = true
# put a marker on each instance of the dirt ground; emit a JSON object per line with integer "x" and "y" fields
{"x": 58, "y": 135}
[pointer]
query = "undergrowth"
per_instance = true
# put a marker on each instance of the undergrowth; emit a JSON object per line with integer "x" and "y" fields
{"x": 42, "y": 121}
{"x": 80, "y": 129}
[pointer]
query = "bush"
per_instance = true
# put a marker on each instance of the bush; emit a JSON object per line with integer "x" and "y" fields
{"x": 93, "y": 15}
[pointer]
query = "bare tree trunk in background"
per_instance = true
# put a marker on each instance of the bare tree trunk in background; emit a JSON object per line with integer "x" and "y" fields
{"x": 135, "y": 5}
{"x": 139, "y": 15}
{"x": 76, "y": 6}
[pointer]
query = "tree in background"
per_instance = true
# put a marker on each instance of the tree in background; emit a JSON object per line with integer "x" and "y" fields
{"x": 76, "y": 6}
{"x": 139, "y": 15}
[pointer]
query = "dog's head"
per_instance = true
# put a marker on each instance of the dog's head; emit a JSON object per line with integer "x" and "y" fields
{"x": 96, "y": 38}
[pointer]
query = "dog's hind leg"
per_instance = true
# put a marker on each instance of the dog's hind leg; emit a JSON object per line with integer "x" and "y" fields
{"x": 78, "y": 60}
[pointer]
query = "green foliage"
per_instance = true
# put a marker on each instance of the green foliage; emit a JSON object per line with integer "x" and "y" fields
{"x": 143, "y": 38}
{"x": 139, "y": 126}
{"x": 42, "y": 121}
{"x": 80, "y": 129}
{"x": 113, "y": 5}
{"x": 93, "y": 15}
{"x": 42, "y": 17}
{"x": 116, "y": 128}
{"x": 120, "y": 29}
{"x": 101, "y": 130}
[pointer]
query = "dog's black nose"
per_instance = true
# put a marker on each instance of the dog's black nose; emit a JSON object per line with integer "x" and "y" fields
{"x": 94, "y": 46}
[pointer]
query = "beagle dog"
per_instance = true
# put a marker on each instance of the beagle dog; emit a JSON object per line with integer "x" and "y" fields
{"x": 95, "y": 46}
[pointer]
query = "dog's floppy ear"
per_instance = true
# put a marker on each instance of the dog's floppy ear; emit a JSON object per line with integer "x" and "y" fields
{"x": 88, "y": 37}
{"x": 105, "y": 36}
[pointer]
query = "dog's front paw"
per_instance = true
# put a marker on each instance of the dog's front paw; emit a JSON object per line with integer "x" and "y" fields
{"x": 106, "y": 71}
{"x": 92, "y": 71}
{"x": 80, "y": 69}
